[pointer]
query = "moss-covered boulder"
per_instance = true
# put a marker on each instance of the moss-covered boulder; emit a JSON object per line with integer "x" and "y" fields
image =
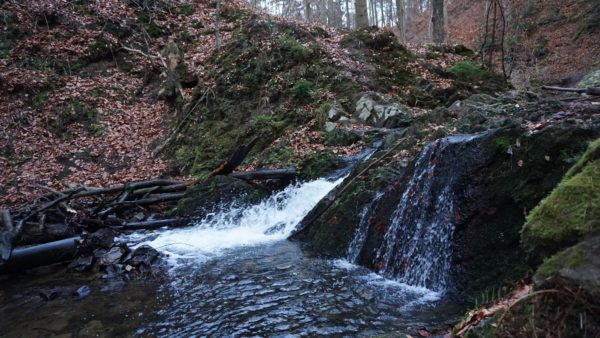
{"x": 579, "y": 264}
{"x": 319, "y": 163}
{"x": 590, "y": 80}
{"x": 567, "y": 298}
{"x": 570, "y": 213}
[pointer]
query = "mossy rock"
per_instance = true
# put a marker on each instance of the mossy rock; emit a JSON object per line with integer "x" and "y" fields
{"x": 590, "y": 80}
{"x": 341, "y": 137}
{"x": 331, "y": 232}
{"x": 382, "y": 49}
{"x": 458, "y": 49}
{"x": 318, "y": 164}
{"x": 578, "y": 265}
{"x": 468, "y": 71}
{"x": 570, "y": 212}
{"x": 75, "y": 111}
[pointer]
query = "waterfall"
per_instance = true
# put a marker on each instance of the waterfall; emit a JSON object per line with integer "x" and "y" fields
{"x": 272, "y": 219}
{"x": 360, "y": 235}
{"x": 417, "y": 247}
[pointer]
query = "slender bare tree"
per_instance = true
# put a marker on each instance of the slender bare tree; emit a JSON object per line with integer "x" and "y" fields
{"x": 437, "y": 20}
{"x": 400, "y": 20}
{"x": 307, "y": 10}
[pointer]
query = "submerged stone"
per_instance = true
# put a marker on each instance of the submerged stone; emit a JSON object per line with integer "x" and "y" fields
{"x": 81, "y": 264}
{"x": 83, "y": 291}
{"x": 112, "y": 256}
{"x": 143, "y": 255}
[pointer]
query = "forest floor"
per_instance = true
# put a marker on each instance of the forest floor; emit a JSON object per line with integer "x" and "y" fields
{"x": 80, "y": 87}
{"x": 546, "y": 42}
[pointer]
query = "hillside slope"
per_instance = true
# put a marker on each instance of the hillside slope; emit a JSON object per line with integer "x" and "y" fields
{"x": 90, "y": 91}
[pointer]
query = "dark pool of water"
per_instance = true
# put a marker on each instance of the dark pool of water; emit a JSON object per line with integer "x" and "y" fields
{"x": 275, "y": 289}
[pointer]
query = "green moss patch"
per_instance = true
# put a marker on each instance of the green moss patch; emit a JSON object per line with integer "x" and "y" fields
{"x": 570, "y": 212}
{"x": 75, "y": 111}
{"x": 568, "y": 259}
{"x": 468, "y": 71}
{"x": 318, "y": 164}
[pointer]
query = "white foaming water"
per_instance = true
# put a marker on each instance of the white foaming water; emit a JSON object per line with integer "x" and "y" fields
{"x": 271, "y": 220}
{"x": 421, "y": 295}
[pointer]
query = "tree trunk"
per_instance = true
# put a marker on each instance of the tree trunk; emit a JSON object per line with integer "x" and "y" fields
{"x": 437, "y": 21}
{"x": 347, "y": 15}
{"x": 307, "y": 10}
{"x": 382, "y": 14}
{"x": 330, "y": 13}
{"x": 362, "y": 18}
{"x": 266, "y": 174}
{"x": 217, "y": 26}
{"x": 400, "y": 22}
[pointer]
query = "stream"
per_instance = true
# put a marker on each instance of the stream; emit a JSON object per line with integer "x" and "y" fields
{"x": 233, "y": 273}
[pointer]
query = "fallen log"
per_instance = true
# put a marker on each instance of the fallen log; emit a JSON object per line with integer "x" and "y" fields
{"x": 114, "y": 207}
{"x": 42, "y": 254}
{"x": 167, "y": 197}
{"x": 266, "y": 174}
{"x": 234, "y": 161}
{"x": 61, "y": 199}
{"x": 159, "y": 182}
{"x": 588, "y": 91}
{"x": 159, "y": 189}
{"x": 154, "y": 224}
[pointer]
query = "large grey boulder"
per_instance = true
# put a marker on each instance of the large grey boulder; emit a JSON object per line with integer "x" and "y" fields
{"x": 376, "y": 110}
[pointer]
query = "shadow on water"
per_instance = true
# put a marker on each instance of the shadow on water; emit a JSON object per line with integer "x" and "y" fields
{"x": 49, "y": 302}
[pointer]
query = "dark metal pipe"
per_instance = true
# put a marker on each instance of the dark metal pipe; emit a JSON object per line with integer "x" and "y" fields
{"x": 42, "y": 254}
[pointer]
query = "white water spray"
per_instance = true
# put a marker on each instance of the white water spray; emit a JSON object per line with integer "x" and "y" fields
{"x": 271, "y": 220}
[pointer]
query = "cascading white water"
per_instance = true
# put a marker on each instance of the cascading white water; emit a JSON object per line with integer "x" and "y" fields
{"x": 361, "y": 231}
{"x": 272, "y": 219}
{"x": 417, "y": 246}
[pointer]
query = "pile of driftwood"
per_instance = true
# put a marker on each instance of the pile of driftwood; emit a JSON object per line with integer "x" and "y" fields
{"x": 53, "y": 227}
{"x": 53, "y": 223}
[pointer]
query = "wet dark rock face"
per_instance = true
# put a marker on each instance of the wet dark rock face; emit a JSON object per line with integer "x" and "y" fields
{"x": 496, "y": 179}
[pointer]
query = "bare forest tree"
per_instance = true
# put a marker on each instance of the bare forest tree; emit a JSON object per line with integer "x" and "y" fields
{"x": 411, "y": 20}
{"x": 362, "y": 19}
{"x": 400, "y": 12}
{"x": 438, "y": 31}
